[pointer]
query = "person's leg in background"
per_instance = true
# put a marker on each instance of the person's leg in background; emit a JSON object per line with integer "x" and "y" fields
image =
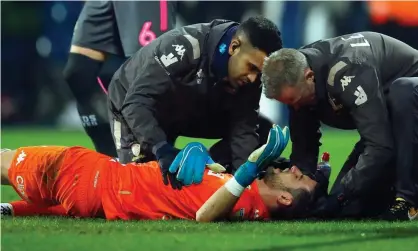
{"x": 81, "y": 72}
{"x": 107, "y": 31}
{"x": 109, "y": 67}
{"x": 403, "y": 107}
{"x": 95, "y": 36}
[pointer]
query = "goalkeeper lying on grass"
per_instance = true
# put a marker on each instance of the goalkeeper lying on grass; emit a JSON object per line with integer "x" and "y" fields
{"x": 74, "y": 181}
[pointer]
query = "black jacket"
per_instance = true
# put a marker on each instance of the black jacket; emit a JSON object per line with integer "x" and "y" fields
{"x": 353, "y": 74}
{"x": 169, "y": 82}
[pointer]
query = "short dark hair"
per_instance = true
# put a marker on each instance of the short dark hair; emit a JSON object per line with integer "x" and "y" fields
{"x": 302, "y": 201}
{"x": 300, "y": 208}
{"x": 262, "y": 33}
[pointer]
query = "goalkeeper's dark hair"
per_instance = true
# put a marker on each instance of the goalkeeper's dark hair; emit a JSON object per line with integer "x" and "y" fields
{"x": 262, "y": 33}
{"x": 303, "y": 201}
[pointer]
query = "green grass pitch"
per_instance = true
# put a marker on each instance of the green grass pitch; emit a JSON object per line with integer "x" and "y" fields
{"x": 61, "y": 234}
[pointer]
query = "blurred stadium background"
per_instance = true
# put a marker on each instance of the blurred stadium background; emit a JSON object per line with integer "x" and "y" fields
{"x": 35, "y": 40}
{"x": 38, "y": 108}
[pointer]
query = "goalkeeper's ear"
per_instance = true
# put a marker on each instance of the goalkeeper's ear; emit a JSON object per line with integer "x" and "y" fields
{"x": 284, "y": 198}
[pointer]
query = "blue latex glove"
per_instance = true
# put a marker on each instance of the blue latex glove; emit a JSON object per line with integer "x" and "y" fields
{"x": 271, "y": 151}
{"x": 190, "y": 164}
{"x": 259, "y": 159}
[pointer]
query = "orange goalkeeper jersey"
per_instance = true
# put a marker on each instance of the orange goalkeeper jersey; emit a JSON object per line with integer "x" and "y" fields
{"x": 137, "y": 192}
{"x": 89, "y": 184}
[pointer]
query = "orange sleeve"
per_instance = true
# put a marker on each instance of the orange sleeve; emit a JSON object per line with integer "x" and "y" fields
{"x": 250, "y": 206}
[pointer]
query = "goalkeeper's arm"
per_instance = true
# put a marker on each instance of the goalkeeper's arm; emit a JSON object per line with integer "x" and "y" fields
{"x": 224, "y": 199}
{"x": 219, "y": 205}
{"x": 222, "y": 202}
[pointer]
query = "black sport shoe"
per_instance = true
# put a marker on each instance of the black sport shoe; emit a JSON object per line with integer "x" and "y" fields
{"x": 401, "y": 210}
{"x": 6, "y": 209}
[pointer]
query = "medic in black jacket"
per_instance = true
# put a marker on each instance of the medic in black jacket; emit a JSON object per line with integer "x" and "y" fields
{"x": 201, "y": 80}
{"x": 365, "y": 81}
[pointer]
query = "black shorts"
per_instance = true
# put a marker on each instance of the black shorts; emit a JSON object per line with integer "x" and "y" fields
{"x": 122, "y": 27}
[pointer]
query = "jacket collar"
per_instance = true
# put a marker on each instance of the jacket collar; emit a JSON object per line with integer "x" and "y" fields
{"x": 218, "y": 28}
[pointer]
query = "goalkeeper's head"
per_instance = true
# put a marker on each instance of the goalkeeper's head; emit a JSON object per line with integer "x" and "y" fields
{"x": 287, "y": 193}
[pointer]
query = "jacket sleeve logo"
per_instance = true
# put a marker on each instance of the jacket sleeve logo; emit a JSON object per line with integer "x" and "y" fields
{"x": 168, "y": 60}
{"x": 345, "y": 81}
{"x": 361, "y": 96}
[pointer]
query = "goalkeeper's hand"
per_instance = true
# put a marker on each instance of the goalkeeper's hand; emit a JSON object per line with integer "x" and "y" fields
{"x": 259, "y": 160}
{"x": 190, "y": 164}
